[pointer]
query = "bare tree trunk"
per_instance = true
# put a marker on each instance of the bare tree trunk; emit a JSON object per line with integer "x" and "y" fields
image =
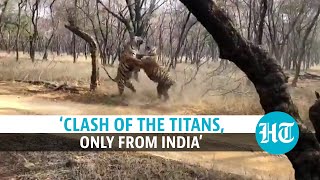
{"x": 250, "y": 20}
{"x": 263, "y": 12}
{"x": 94, "y": 54}
{"x": 303, "y": 47}
{"x": 32, "y": 48}
{"x": 58, "y": 46}
{"x": 86, "y": 51}
{"x": 34, "y": 36}
{"x": 266, "y": 75}
{"x": 45, "y": 56}
{"x": 74, "y": 52}
{"x": 20, "y": 5}
{"x": 183, "y": 35}
{"x": 23, "y": 47}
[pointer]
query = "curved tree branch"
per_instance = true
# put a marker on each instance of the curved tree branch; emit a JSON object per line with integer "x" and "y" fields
{"x": 93, "y": 50}
{"x": 265, "y": 74}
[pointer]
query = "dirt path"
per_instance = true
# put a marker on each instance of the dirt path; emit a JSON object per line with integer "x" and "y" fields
{"x": 18, "y": 98}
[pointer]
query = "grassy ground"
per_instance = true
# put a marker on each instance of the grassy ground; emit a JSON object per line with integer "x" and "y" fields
{"x": 212, "y": 90}
{"x": 90, "y": 165}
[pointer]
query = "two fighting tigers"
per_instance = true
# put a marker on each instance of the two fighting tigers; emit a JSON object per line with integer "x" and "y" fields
{"x": 131, "y": 62}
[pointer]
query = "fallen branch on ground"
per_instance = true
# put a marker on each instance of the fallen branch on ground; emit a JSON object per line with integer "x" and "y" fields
{"x": 45, "y": 83}
{"x": 53, "y": 86}
{"x": 309, "y": 76}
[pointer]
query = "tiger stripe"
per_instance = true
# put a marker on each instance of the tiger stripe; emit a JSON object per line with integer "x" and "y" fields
{"x": 127, "y": 64}
{"x": 157, "y": 74}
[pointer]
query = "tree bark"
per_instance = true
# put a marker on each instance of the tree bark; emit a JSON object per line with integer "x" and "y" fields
{"x": 267, "y": 77}
{"x": 34, "y": 36}
{"x": 20, "y": 6}
{"x": 45, "y": 55}
{"x": 94, "y": 54}
{"x": 54, "y": 28}
{"x": 74, "y": 40}
{"x": 263, "y": 12}
{"x": 314, "y": 115}
{"x": 32, "y": 48}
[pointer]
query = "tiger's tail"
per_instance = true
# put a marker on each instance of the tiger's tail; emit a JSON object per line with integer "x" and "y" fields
{"x": 104, "y": 68}
{"x": 173, "y": 84}
{"x": 136, "y": 75}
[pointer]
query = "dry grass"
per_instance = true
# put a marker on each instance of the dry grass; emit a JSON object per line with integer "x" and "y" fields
{"x": 207, "y": 82}
{"x": 58, "y": 69}
{"x": 102, "y": 165}
{"x": 212, "y": 90}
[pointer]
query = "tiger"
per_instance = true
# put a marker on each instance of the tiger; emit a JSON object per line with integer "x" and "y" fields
{"x": 314, "y": 115}
{"x": 156, "y": 73}
{"x": 138, "y": 41}
{"x": 128, "y": 64}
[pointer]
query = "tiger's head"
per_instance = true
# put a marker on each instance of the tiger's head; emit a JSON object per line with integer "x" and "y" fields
{"x": 151, "y": 50}
{"x": 136, "y": 42}
{"x": 129, "y": 51}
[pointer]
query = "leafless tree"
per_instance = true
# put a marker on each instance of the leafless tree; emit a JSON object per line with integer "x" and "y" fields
{"x": 34, "y": 18}
{"x": 93, "y": 50}
{"x": 54, "y": 28}
{"x": 21, "y": 4}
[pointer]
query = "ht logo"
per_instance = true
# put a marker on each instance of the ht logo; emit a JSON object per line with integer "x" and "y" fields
{"x": 277, "y": 133}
